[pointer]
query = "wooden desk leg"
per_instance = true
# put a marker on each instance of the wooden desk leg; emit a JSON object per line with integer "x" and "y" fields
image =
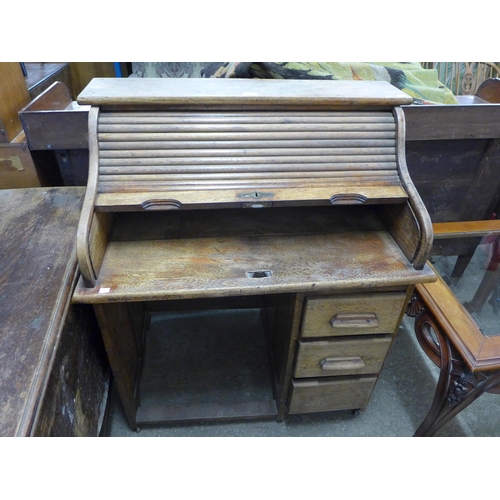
{"x": 457, "y": 386}
{"x": 120, "y": 327}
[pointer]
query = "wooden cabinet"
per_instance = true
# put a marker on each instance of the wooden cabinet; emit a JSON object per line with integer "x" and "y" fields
{"x": 13, "y": 96}
{"x": 17, "y": 169}
{"x": 289, "y": 197}
{"x": 83, "y": 72}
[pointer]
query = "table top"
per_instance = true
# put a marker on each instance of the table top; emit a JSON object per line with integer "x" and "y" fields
{"x": 469, "y": 287}
{"x": 468, "y": 306}
{"x": 37, "y": 272}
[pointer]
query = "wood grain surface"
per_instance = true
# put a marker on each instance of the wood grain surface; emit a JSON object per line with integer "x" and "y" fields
{"x": 348, "y": 247}
{"x": 220, "y": 157}
{"x": 37, "y": 271}
{"x": 320, "y": 311}
{"x": 331, "y": 394}
{"x": 13, "y": 96}
{"x": 239, "y": 92}
{"x": 347, "y": 356}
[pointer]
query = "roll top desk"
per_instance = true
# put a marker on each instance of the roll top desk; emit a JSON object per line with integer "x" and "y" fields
{"x": 291, "y": 197}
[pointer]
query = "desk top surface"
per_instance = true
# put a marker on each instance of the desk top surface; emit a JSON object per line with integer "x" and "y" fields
{"x": 207, "y": 91}
{"x": 37, "y": 269}
{"x": 181, "y": 254}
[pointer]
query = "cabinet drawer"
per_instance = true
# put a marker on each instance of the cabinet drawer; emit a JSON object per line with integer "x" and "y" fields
{"x": 353, "y": 356}
{"x": 311, "y": 396}
{"x": 353, "y": 314}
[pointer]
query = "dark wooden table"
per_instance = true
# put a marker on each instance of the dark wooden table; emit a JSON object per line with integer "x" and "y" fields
{"x": 53, "y": 372}
{"x": 456, "y": 324}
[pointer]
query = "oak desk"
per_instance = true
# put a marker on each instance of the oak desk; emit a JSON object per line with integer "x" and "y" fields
{"x": 290, "y": 197}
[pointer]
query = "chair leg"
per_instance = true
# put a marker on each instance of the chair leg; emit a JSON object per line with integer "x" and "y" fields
{"x": 461, "y": 265}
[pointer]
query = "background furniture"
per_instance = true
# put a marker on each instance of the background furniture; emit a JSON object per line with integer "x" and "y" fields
{"x": 83, "y": 72}
{"x": 56, "y": 128}
{"x": 464, "y": 78}
{"x": 54, "y": 375}
{"x": 40, "y": 76}
{"x": 453, "y": 155}
{"x": 23, "y": 162}
{"x": 17, "y": 168}
{"x": 458, "y": 333}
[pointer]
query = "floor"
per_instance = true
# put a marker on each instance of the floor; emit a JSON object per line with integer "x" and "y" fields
{"x": 399, "y": 403}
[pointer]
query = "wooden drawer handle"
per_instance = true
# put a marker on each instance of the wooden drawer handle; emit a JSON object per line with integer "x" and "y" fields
{"x": 358, "y": 320}
{"x": 347, "y": 363}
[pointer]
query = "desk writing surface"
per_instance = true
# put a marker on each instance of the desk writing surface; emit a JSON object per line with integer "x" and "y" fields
{"x": 185, "y": 254}
{"x": 37, "y": 267}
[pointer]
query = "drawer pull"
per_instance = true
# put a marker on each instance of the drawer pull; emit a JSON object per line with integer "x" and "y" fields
{"x": 358, "y": 320}
{"x": 347, "y": 363}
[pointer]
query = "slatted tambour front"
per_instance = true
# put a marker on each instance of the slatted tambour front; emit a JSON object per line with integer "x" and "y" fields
{"x": 344, "y": 154}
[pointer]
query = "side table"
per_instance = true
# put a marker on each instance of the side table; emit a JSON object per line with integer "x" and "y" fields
{"x": 458, "y": 333}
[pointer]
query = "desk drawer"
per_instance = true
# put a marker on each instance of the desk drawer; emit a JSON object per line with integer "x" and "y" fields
{"x": 311, "y": 396}
{"x": 358, "y": 314}
{"x": 354, "y": 356}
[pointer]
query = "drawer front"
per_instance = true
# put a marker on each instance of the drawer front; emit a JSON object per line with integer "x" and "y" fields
{"x": 311, "y": 396}
{"x": 353, "y": 356}
{"x": 353, "y": 314}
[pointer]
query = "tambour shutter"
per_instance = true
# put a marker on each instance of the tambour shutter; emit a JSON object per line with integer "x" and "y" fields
{"x": 208, "y": 151}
